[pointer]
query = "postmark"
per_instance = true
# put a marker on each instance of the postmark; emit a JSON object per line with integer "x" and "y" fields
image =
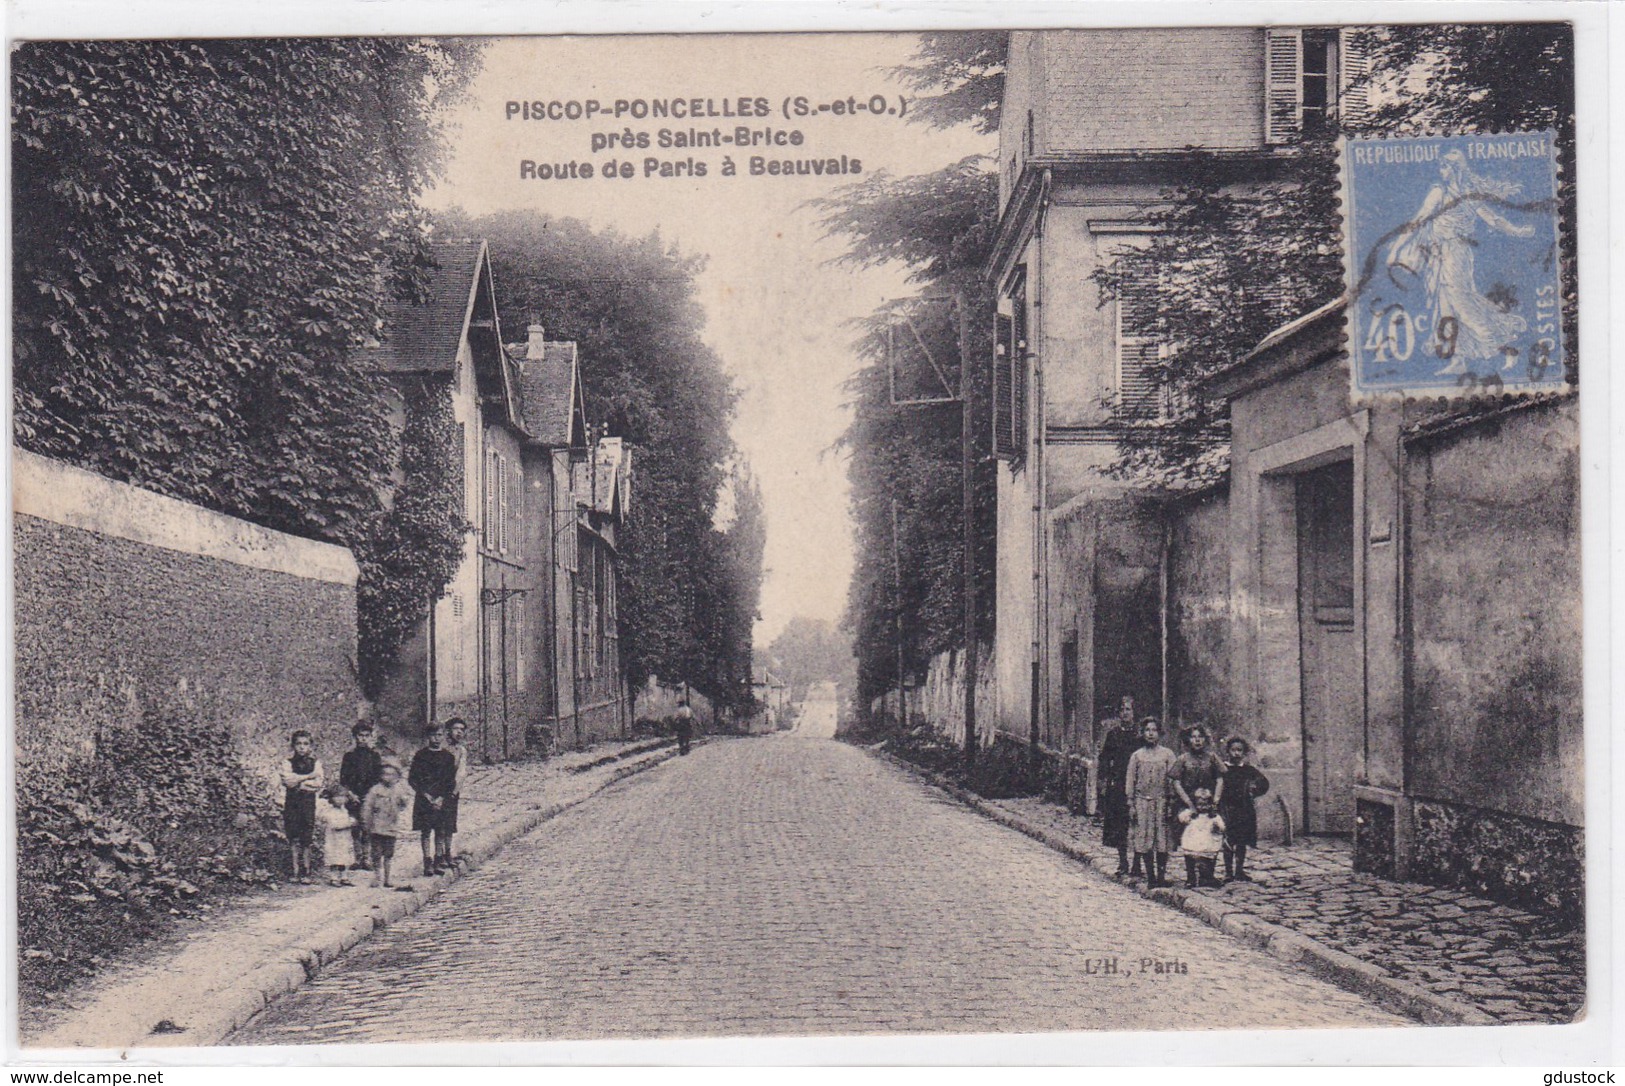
{"x": 1453, "y": 273}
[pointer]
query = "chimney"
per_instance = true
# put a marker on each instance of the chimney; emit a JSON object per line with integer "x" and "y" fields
{"x": 536, "y": 343}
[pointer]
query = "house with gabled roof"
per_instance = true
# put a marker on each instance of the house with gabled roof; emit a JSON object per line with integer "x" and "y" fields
{"x": 580, "y": 483}
{"x": 523, "y": 643}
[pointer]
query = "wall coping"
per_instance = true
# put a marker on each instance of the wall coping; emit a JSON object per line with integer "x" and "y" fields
{"x": 75, "y": 498}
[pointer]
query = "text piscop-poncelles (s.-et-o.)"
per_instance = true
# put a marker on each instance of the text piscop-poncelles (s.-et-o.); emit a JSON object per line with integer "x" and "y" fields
{"x": 631, "y": 146}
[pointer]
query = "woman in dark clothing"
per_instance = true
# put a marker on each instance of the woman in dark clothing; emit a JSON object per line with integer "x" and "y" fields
{"x": 1243, "y": 784}
{"x": 1111, "y": 774}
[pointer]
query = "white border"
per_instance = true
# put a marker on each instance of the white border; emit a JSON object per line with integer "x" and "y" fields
{"x": 1586, "y": 1044}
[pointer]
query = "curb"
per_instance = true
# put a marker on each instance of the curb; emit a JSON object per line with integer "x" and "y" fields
{"x": 231, "y": 1009}
{"x": 1328, "y": 963}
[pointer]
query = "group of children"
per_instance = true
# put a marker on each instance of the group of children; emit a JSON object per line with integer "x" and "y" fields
{"x": 1150, "y": 798}
{"x": 363, "y": 814}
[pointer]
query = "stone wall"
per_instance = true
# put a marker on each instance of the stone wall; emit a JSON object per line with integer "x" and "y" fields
{"x": 125, "y": 598}
{"x": 1199, "y": 613}
{"x": 1494, "y": 579}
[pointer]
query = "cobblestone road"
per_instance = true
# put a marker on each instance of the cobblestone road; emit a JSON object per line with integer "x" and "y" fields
{"x": 788, "y": 885}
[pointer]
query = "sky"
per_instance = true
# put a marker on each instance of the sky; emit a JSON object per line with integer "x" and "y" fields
{"x": 779, "y": 311}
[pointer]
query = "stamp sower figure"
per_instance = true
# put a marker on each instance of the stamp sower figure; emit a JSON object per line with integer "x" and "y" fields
{"x": 381, "y": 814}
{"x": 433, "y": 776}
{"x": 358, "y": 772}
{"x": 684, "y": 726}
{"x": 456, "y": 728}
{"x": 338, "y": 841}
{"x": 1116, "y": 747}
{"x": 1200, "y": 842}
{"x": 1438, "y": 245}
{"x": 1243, "y": 784}
{"x": 301, "y": 780}
{"x": 1147, "y": 788}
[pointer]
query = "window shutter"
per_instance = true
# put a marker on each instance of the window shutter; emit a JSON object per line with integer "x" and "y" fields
{"x": 1139, "y": 388}
{"x": 519, "y": 643}
{"x": 1018, "y": 352}
{"x": 502, "y": 503}
{"x": 1353, "y": 77}
{"x": 1139, "y": 394}
{"x": 1003, "y": 431}
{"x": 1283, "y": 85}
{"x": 488, "y": 525}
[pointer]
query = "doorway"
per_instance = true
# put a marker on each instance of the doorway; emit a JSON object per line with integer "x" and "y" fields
{"x": 1329, "y": 653}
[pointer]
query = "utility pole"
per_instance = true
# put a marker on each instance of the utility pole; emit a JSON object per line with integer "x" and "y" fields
{"x": 897, "y": 574}
{"x": 967, "y": 469}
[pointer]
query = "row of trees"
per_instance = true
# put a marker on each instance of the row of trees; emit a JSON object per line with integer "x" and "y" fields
{"x": 906, "y": 600}
{"x": 1231, "y": 264}
{"x": 206, "y": 233}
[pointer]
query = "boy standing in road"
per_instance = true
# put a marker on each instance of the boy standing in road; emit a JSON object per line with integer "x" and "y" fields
{"x": 433, "y": 776}
{"x": 358, "y": 772}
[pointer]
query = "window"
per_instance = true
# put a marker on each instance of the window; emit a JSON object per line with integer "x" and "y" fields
{"x": 1140, "y": 389}
{"x": 520, "y": 521}
{"x": 1312, "y": 78}
{"x": 519, "y": 641}
{"x": 1010, "y": 377}
{"x": 502, "y": 503}
{"x": 488, "y": 523}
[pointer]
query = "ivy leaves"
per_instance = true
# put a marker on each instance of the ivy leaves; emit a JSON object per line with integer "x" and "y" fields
{"x": 206, "y": 230}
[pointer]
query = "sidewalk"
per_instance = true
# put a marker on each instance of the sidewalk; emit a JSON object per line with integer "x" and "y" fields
{"x": 219, "y": 970}
{"x": 1440, "y": 954}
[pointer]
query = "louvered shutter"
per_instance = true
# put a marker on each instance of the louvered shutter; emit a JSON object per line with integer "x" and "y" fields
{"x": 1139, "y": 387}
{"x": 489, "y": 528}
{"x": 1003, "y": 429}
{"x": 1283, "y": 86}
{"x": 502, "y": 503}
{"x": 1018, "y": 352}
{"x": 1353, "y": 77}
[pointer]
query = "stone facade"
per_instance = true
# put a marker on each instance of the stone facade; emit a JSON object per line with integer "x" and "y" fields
{"x": 125, "y": 598}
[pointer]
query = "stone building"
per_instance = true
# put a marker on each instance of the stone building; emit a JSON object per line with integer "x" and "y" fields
{"x": 503, "y": 646}
{"x": 1387, "y": 600}
{"x": 1384, "y": 598}
{"x": 1096, "y": 123}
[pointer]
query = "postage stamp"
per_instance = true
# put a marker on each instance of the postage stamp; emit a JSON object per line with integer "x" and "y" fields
{"x": 1452, "y": 265}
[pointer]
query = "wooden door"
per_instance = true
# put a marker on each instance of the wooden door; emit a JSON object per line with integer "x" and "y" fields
{"x": 1333, "y": 701}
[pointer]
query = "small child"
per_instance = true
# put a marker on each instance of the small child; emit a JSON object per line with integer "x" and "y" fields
{"x": 338, "y": 846}
{"x": 381, "y": 813}
{"x": 301, "y": 780}
{"x": 1201, "y": 840}
{"x": 1243, "y": 784}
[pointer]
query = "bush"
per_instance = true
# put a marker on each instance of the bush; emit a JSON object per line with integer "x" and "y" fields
{"x": 111, "y": 849}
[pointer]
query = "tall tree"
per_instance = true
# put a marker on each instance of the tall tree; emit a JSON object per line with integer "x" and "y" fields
{"x": 204, "y": 233}
{"x": 807, "y": 651}
{"x": 729, "y": 594}
{"x": 630, "y": 305}
{"x": 907, "y": 591}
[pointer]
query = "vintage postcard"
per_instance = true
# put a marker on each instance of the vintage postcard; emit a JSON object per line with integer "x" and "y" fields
{"x": 1064, "y": 527}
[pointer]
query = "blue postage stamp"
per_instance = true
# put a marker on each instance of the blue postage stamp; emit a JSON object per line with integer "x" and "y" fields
{"x": 1452, "y": 265}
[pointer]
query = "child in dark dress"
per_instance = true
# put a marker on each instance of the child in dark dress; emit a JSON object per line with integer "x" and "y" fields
{"x": 1243, "y": 784}
{"x": 301, "y": 780}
